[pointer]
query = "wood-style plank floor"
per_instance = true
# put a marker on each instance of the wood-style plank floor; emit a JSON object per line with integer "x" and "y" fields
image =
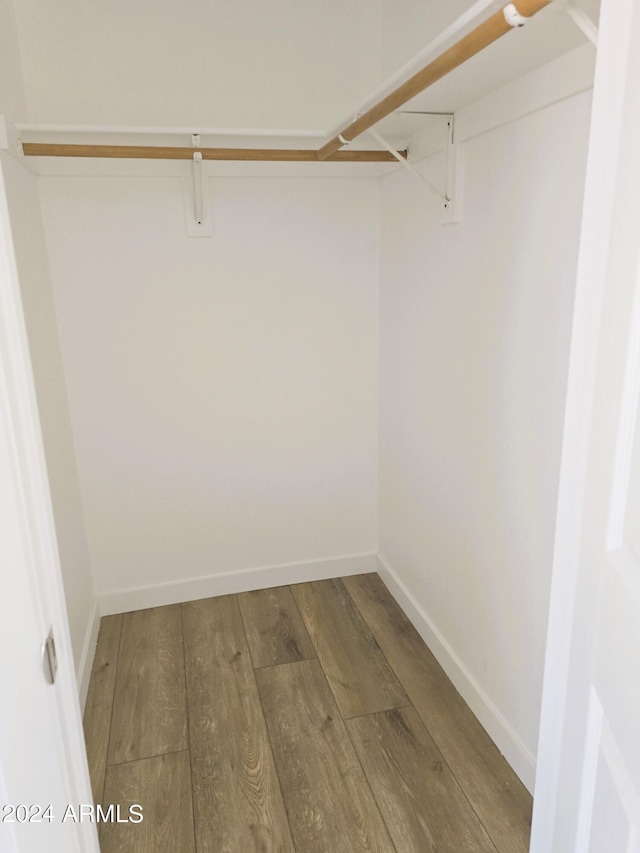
{"x": 304, "y": 719}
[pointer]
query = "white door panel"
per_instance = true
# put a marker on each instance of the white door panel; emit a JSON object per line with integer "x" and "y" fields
{"x": 632, "y": 531}
{"x": 588, "y": 786}
{"x": 614, "y": 815}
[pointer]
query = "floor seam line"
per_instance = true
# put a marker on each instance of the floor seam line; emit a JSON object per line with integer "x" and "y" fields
{"x": 189, "y": 750}
{"x": 266, "y": 729}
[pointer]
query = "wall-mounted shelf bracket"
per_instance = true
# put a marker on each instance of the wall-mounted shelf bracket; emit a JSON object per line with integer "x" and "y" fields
{"x": 11, "y": 143}
{"x": 4, "y": 136}
{"x": 383, "y": 142}
{"x": 581, "y": 20}
{"x": 450, "y": 198}
{"x": 197, "y": 220}
{"x": 198, "y": 204}
{"x": 453, "y": 191}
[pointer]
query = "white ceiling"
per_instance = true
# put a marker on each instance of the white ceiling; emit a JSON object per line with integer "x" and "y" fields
{"x": 549, "y": 35}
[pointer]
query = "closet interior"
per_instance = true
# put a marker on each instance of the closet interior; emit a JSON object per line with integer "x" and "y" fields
{"x": 298, "y": 285}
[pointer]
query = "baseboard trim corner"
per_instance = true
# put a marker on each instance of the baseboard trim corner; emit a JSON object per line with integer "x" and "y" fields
{"x": 85, "y": 664}
{"x": 226, "y": 583}
{"x": 498, "y": 729}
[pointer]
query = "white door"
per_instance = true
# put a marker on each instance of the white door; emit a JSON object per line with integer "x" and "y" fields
{"x": 587, "y": 797}
{"x": 42, "y": 757}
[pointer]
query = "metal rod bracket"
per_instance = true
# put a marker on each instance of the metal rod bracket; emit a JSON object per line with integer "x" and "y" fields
{"x": 450, "y": 199}
{"x": 198, "y": 207}
{"x": 382, "y": 141}
{"x": 581, "y": 20}
{"x": 513, "y": 17}
{"x": 453, "y": 191}
{"x": 197, "y": 221}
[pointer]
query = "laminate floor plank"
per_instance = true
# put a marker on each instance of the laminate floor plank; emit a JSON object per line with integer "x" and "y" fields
{"x": 237, "y": 799}
{"x": 425, "y": 778}
{"x": 361, "y": 679}
{"x": 99, "y": 704}
{"x": 329, "y": 802}
{"x": 162, "y": 786}
{"x": 422, "y": 805}
{"x": 275, "y": 631}
{"x": 150, "y": 707}
{"x": 496, "y": 794}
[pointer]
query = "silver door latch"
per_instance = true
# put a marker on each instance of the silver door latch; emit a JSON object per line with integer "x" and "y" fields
{"x": 49, "y": 658}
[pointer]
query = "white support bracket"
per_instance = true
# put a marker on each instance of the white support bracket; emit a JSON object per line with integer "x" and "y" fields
{"x": 383, "y": 142}
{"x": 11, "y": 143}
{"x": 198, "y": 206}
{"x": 4, "y": 136}
{"x": 453, "y": 204}
{"x": 450, "y": 198}
{"x": 197, "y": 220}
{"x": 513, "y": 17}
{"x": 581, "y": 20}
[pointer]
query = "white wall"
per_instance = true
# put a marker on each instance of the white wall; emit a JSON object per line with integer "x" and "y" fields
{"x": 474, "y": 337}
{"x": 223, "y": 390}
{"x": 26, "y": 223}
{"x": 229, "y": 63}
{"x": 28, "y": 235}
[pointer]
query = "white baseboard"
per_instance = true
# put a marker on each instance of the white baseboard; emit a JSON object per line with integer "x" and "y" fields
{"x": 85, "y": 664}
{"x": 244, "y": 580}
{"x": 498, "y": 729}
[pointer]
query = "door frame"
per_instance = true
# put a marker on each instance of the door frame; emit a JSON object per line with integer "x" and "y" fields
{"x": 28, "y": 490}
{"x": 613, "y": 73}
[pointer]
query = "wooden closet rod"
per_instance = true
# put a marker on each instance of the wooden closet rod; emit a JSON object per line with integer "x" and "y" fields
{"x": 493, "y": 28}
{"x": 155, "y": 152}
